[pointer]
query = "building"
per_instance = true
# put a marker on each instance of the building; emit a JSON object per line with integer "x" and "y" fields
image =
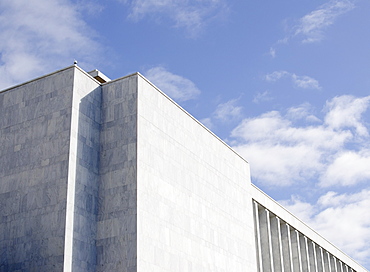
{"x": 100, "y": 175}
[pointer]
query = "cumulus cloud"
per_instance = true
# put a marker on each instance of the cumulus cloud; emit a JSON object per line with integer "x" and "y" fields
{"x": 228, "y": 110}
{"x": 346, "y": 213}
{"x": 175, "y": 86}
{"x": 292, "y": 153}
{"x": 312, "y": 25}
{"x": 39, "y": 36}
{"x": 346, "y": 112}
{"x": 190, "y": 15}
{"x": 303, "y": 82}
{"x": 348, "y": 168}
{"x": 303, "y": 210}
{"x": 296, "y": 150}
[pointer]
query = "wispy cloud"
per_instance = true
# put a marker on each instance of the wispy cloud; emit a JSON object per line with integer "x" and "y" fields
{"x": 40, "y": 36}
{"x": 302, "y": 112}
{"x": 303, "y": 82}
{"x": 274, "y": 76}
{"x": 207, "y": 122}
{"x": 261, "y": 97}
{"x": 190, "y": 15}
{"x": 297, "y": 150}
{"x": 272, "y": 52}
{"x": 175, "y": 86}
{"x": 228, "y": 110}
{"x": 346, "y": 212}
{"x": 312, "y": 26}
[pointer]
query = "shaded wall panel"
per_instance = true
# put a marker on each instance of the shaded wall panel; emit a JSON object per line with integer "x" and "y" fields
{"x": 117, "y": 215}
{"x": 35, "y": 125}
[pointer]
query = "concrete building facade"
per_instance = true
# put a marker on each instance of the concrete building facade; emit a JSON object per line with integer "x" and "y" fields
{"x": 100, "y": 175}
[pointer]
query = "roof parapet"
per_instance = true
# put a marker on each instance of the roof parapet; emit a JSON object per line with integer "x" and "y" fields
{"x": 99, "y": 76}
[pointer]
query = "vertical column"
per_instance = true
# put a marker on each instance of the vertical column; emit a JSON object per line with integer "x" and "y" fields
{"x": 264, "y": 239}
{"x": 286, "y": 247}
{"x": 296, "y": 252}
{"x": 275, "y": 243}
{"x": 307, "y": 254}
{"x": 318, "y": 258}
{"x": 326, "y": 261}
{"x": 303, "y": 251}
{"x": 322, "y": 261}
{"x": 280, "y": 244}
{"x": 335, "y": 264}
{"x": 258, "y": 236}
{"x": 340, "y": 265}
{"x": 268, "y": 218}
{"x": 290, "y": 247}
{"x": 315, "y": 256}
{"x": 311, "y": 255}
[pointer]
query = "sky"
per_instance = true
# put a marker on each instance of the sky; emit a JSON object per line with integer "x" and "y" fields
{"x": 285, "y": 83}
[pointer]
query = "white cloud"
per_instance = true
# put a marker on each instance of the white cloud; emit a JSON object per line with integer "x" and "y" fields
{"x": 340, "y": 218}
{"x": 302, "y": 112}
{"x": 303, "y": 210}
{"x": 207, "y": 122}
{"x": 225, "y": 112}
{"x": 348, "y": 168}
{"x": 261, "y": 97}
{"x": 274, "y": 76}
{"x": 312, "y": 25}
{"x": 175, "y": 86}
{"x": 273, "y": 129}
{"x": 191, "y": 15}
{"x": 282, "y": 152}
{"x": 280, "y": 165}
{"x": 228, "y": 110}
{"x": 304, "y": 82}
{"x": 346, "y": 112}
{"x": 41, "y": 35}
{"x": 291, "y": 153}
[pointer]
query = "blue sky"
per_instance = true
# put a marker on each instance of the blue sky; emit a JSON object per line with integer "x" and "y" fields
{"x": 286, "y": 83}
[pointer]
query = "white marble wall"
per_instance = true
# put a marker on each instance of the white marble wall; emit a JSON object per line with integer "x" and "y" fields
{"x": 194, "y": 207}
{"x": 83, "y": 175}
{"x": 34, "y": 154}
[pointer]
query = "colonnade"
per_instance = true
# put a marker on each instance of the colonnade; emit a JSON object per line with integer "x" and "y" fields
{"x": 281, "y": 248}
